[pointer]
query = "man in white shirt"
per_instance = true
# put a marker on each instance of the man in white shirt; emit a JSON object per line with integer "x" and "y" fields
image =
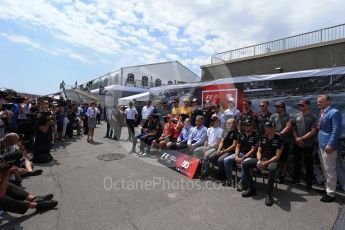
{"x": 231, "y": 112}
{"x": 146, "y": 112}
{"x": 24, "y": 109}
{"x": 79, "y": 111}
{"x": 214, "y": 136}
{"x": 131, "y": 115}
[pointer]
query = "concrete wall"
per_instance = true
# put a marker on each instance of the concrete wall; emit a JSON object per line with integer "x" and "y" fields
{"x": 311, "y": 57}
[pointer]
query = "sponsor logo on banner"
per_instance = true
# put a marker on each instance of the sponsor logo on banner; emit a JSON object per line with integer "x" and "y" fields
{"x": 186, "y": 165}
{"x": 168, "y": 159}
{"x": 219, "y": 96}
{"x": 181, "y": 162}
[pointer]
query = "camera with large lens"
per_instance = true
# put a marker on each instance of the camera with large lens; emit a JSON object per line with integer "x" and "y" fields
{"x": 10, "y": 159}
{"x": 6, "y": 106}
{"x": 45, "y": 116}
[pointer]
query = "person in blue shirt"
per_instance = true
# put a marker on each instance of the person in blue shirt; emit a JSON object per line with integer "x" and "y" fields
{"x": 329, "y": 125}
{"x": 181, "y": 142}
{"x": 15, "y": 110}
{"x": 198, "y": 134}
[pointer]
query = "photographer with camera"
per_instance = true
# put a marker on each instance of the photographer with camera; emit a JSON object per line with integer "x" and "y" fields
{"x": 79, "y": 119}
{"x": 3, "y": 119}
{"x": 71, "y": 116}
{"x": 13, "y": 119}
{"x": 10, "y": 144}
{"x": 23, "y": 115}
{"x": 45, "y": 126}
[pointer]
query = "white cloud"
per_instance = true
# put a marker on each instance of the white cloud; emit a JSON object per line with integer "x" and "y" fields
{"x": 21, "y": 40}
{"x": 27, "y": 41}
{"x": 74, "y": 55}
{"x": 159, "y": 30}
{"x": 172, "y": 57}
{"x": 184, "y": 49}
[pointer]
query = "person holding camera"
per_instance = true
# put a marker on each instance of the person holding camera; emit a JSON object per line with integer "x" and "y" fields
{"x": 3, "y": 117}
{"x": 45, "y": 126}
{"x": 72, "y": 123}
{"x": 10, "y": 144}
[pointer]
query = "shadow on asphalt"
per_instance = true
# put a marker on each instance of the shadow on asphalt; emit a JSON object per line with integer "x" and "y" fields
{"x": 50, "y": 164}
{"x": 13, "y": 222}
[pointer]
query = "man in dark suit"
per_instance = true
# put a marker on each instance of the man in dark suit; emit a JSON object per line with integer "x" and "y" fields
{"x": 329, "y": 125}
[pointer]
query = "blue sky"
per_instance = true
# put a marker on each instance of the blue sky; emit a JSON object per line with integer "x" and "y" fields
{"x": 45, "y": 42}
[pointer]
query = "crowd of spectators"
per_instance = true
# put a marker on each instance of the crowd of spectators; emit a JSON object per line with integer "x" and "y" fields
{"x": 28, "y": 130}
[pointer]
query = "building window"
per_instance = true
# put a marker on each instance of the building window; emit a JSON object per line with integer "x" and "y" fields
{"x": 158, "y": 82}
{"x": 170, "y": 83}
{"x": 130, "y": 78}
{"x": 144, "y": 81}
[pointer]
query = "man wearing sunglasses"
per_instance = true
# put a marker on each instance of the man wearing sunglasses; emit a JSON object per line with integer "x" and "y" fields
{"x": 282, "y": 121}
{"x": 246, "y": 148}
{"x": 247, "y": 114}
{"x": 269, "y": 151}
{"x": 304, "y": 130}
{"x": 263, "y": 115}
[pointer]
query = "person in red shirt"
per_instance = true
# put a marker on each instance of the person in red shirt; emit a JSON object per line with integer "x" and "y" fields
{"x": 167, "y": 135}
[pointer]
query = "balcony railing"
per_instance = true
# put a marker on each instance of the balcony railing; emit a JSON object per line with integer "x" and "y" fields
{"x": 310, "y": 38}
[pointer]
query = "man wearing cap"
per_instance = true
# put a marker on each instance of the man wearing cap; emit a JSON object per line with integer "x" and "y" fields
{"x": 167, "y": 135}
{"x": 282, "y": 121}
{"x": 248, "y": 114}
{"x": 230, "y": 112}
{"x": 329, "y": 124}
{"x": 207, "y": 113}
{"x": 149, "y": 132}
{"x": 269, "y": 151}
{"x": 227, "y": 145}
{"x": 176, "y": 110}
{"x": 217, "y": 110}
{"x": 263, "y": 116}
{"x": 146, "y": 111}
{"x": 214, "y": 137}
{"x": 162, "y": 110}
{"x": 246, "y": 147}
{"x": 186, "y": 109}
{"x": 304, "y": 130}
{"x": 196, "y": 110}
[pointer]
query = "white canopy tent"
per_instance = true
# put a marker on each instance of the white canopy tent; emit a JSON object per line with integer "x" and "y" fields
{"x": 113, "y": 93}
{"x": 142, "y": 97}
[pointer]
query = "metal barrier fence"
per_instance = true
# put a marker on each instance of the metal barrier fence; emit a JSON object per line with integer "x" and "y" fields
{"x": 310, "y": 38}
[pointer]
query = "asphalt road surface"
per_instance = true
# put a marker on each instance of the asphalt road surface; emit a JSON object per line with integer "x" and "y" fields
{"x": 139, "y": 193}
